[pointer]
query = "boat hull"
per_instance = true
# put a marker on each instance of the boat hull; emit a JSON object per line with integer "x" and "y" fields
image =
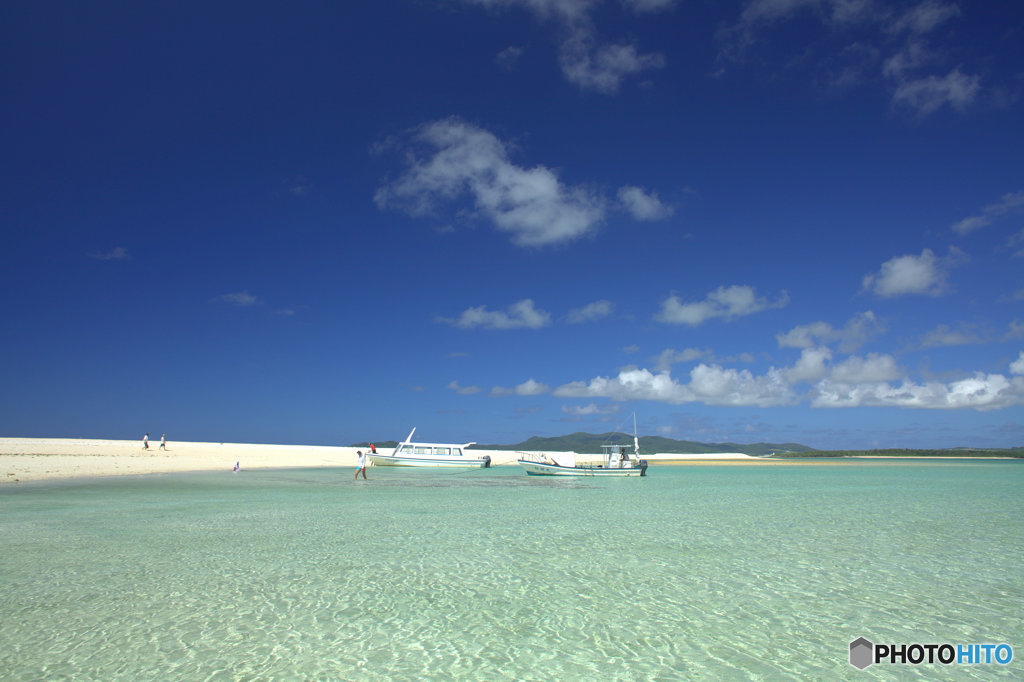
{"x": 543, "y": 469}
{"x": 392, "y": 461}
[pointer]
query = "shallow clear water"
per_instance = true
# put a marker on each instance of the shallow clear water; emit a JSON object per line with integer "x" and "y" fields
{"x": 694, "y": 571}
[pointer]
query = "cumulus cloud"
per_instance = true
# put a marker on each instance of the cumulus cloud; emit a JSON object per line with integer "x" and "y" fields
{"x": 590, "y": 410}
{"x": 528, "y": 387}
{"x": 944, "y": 336}
{"x": 1017, "y": 366}
{"x": 925, "y": 274}
{"x": 242, "y": 299}
{"x": 642, "y": 205}
{"x": 810, "y": 367}
{"x": 876, "y": 34}
{"x": 649, "y": 5}
{"x": 598, "y": 67}
{"x": 509, "y": 57}
{"x": 519, "y": 315}
{"x": 585, "y": 59}
{"x": 117, "y": 253}
{"x": 670, "y": 356}
{"x": 724, "y": 302}
{"x": 1011, "y": 202}
{"x": 875, "y": 380}
{"x": 857, "y": 331}
{"x": 709, "y": 384}
{"x": 463, "y": 160}
{"x": 928, "y": 94}
{"x": 872, "y": 369}
{"x": 981, "y": 392}
{"x": 590, "y": 312}
{"x": 463, "y": 390}
{"x": 925, "y": 17}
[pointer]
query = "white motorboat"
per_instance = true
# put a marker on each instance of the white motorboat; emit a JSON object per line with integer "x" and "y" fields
{"x": 613, "y": 461}
{"x": 409, "y": 454}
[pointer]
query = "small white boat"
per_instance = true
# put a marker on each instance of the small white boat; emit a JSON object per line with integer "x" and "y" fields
{"x": 614, "y": 461}
{"x": 409, "y": 454}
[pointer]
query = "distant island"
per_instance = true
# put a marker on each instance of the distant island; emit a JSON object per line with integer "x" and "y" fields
{"x": 592, "y": 442}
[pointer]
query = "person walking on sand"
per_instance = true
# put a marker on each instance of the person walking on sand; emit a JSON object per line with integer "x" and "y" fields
{"x": 163, "y": 442}
{"x": 145, "y": 442}
{"x": 360, "y": 465}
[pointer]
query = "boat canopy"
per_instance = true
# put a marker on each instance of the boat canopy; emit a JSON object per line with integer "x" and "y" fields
{"x": 563, "y": 459}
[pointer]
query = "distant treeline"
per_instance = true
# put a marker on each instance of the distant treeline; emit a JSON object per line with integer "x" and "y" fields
{"x": 591, "y": 442}
{"x": 950, "y": 452}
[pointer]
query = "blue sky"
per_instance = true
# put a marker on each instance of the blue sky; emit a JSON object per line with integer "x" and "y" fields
{"x": 321, "y": 222}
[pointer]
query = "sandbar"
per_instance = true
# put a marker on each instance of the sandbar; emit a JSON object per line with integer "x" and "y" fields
{"x": 38, "y": 459}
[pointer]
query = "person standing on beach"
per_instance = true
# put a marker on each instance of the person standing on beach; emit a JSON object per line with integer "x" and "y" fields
{"x": 361, "y": 465}
{"x": 145, "y": 442}
{"x": 163, "y": 442}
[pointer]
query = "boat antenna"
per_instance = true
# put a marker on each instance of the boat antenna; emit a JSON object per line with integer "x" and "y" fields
{"x": 636, "y": 440}
{"x": 636, "y": 443}
{"x": 404, "y": 442}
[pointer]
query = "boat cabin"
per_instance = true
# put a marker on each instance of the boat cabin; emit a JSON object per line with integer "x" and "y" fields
{"x": 430, "y": 450}
{"x": 617, "y": 457}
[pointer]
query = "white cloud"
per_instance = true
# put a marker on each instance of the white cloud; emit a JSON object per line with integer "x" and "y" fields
{"x": 855, "y": 334}
{"x": 242, "y": 299}
{"x": 1016, "y": 243}
{"x": 869, "y": 382}
{"x": 591, "y": 311}
{"x": 641, "y": 205}
{"x": 709, "y": 384}
{"x": 970, "y": 224}
{"x": 463, "y": 390}
{"x": 944, "y": 336}
{"x": 925, "y": 274}
{"x": 873, "y": 34}
{"x": 520, "y": 315}
{"x": 724, "y": 302}
{"x": 530, "y": 204}
{"x": 670, "y": 356}
{"x": 854, "y": 382}
{"x": 1011, "y": 202}
{"x": 912, "y": 57}
{"x": 527, "y": 388}
{"x": 585, "y": 60}
{"x": 874, "y": 368}
{"x": 117, "y": 253}
{"x": 812, "y": 365}
{"x": 927, "y": 94}
{"x": 601, "y": 68}
{"x": 1017, "y": 366}
{"x": 981, "y": 392}
{"x": 649, "y": 5}
{"x": 590, "y": 409}
{"x": 925, "y": 17}
{"x": 509, "y": 57}
{"x": 298, "y": 186}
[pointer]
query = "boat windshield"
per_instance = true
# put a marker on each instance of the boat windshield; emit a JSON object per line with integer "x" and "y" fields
{"x": 435, "y": 450}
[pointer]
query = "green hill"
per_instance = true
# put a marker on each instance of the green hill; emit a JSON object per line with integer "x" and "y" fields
{"x": 592, "y": 442}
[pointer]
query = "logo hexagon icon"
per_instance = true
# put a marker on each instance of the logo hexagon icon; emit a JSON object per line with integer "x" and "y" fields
{"x": 862, "y": 653}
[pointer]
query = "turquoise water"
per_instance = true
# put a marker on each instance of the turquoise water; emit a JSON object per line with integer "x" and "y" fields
{"x": 736, "y": 572}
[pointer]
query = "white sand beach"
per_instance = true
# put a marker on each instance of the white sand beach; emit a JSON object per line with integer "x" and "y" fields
{"x": 35, "y": 459}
